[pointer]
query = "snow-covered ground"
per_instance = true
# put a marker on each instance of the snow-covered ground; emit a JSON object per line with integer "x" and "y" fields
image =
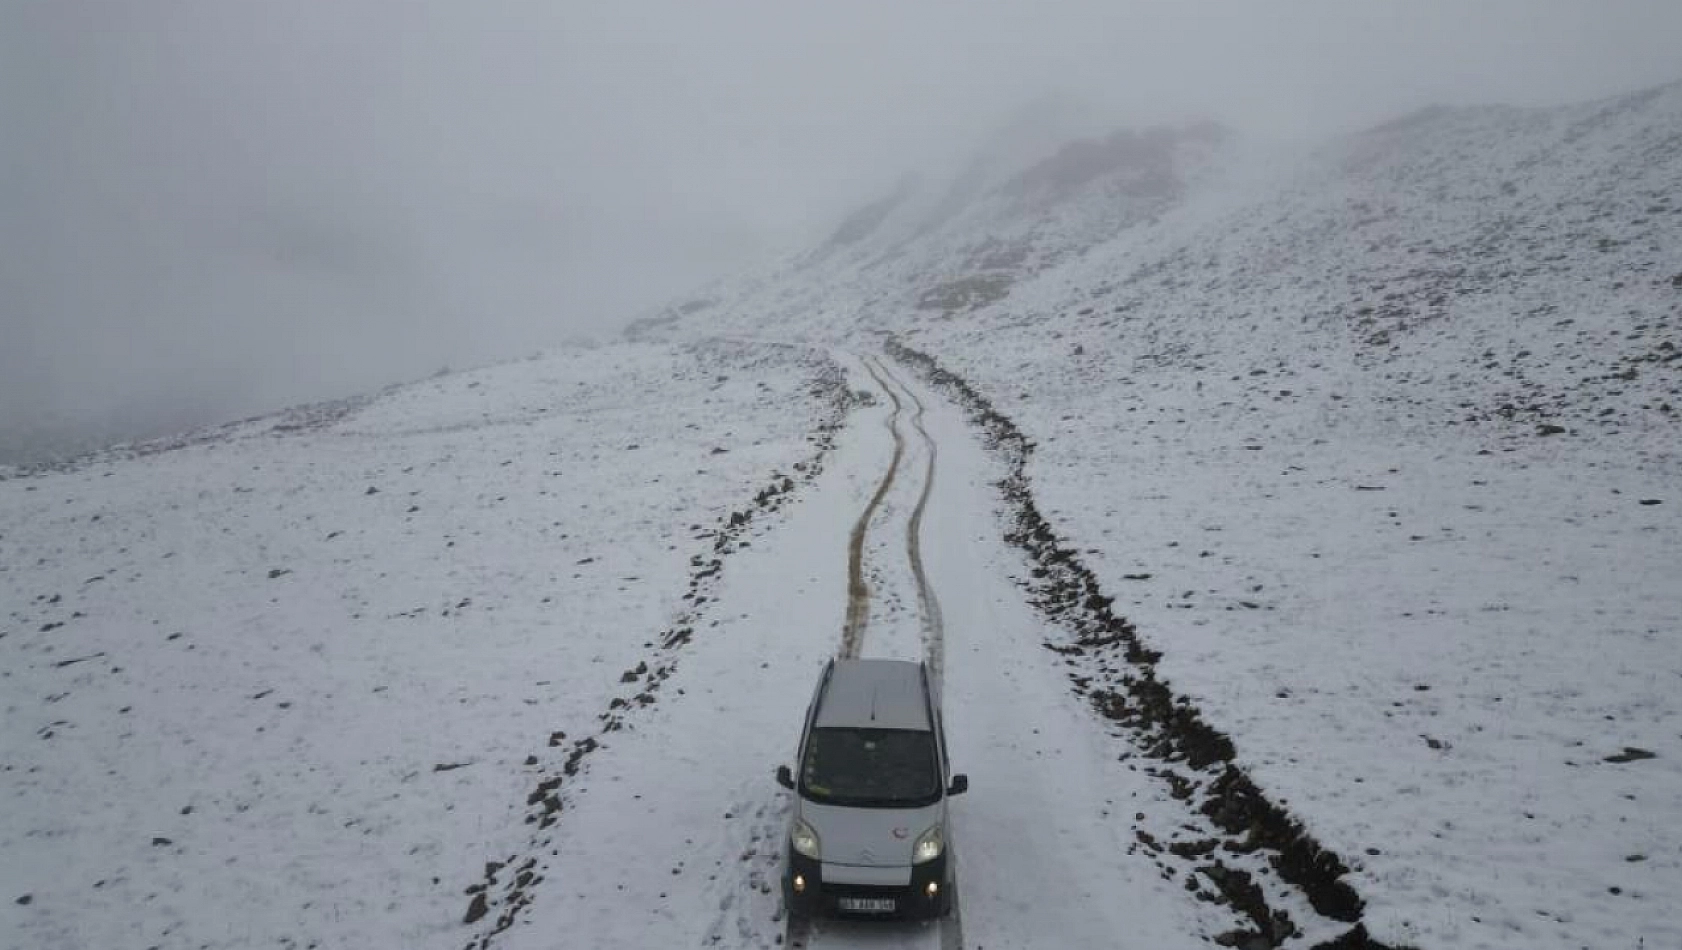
{"x": 1429, "y": 653}
{"x": 306, "y": 696}
{"x": 278, "y": 686}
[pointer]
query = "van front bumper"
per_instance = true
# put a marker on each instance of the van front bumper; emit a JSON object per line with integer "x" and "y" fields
{"x": 819, "y": 897}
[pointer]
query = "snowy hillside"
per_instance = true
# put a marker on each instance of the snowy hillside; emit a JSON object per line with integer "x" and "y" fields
{"x": 290, "y": 682}
{"x": 1294, "y": 541}
{"x": 1382, "y": 451}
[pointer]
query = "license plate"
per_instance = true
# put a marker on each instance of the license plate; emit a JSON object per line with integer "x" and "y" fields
{"x": 867, "y": 905}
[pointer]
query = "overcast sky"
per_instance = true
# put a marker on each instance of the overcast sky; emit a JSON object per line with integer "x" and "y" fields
{"x": 213, "y": 207}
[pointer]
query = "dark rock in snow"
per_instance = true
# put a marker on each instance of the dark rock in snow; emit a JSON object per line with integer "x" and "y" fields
{"x": 476, "y": 909}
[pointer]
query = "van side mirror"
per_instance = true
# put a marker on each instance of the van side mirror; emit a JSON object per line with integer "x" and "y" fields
{"x": 960, "y": 785}
{"x": 785, "y": 778}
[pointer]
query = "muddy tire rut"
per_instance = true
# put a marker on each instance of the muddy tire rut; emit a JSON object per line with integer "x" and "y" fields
{"x": 858, "y": 589}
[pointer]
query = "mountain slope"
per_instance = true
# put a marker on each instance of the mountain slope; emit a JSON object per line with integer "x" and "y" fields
{"x": 1381, "y": 449}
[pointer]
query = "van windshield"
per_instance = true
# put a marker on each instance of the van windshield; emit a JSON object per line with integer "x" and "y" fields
{"x": 870, "y": 768}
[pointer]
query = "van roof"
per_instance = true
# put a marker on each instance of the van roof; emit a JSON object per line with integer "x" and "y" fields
{"x": 875, "y": 694}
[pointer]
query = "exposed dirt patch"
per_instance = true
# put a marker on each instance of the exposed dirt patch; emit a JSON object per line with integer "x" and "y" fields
{"x": 1116, "y": 673}
{"x": 504, "y": 890}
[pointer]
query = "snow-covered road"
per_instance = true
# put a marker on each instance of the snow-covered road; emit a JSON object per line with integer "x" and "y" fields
{"x": 675, "y": 836}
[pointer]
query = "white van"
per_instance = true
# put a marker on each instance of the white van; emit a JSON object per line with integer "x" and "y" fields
{"x": 869, "y": 833}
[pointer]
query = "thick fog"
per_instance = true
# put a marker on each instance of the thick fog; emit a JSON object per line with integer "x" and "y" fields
{"x": 210, "y": 208}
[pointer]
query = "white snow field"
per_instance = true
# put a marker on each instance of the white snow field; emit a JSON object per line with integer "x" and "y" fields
{"x": 1377, "y": 449}
{"x": 277, "y": 687}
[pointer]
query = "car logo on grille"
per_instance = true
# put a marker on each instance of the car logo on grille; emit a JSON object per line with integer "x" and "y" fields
{"x": 901, "y": 833}
{"x": 865, "y": 855}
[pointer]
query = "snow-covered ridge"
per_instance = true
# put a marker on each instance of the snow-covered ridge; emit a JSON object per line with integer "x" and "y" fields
{"x": 953, "y": 247}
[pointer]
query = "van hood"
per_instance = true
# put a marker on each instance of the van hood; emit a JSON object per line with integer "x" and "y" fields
{"x": 869, "y": 837}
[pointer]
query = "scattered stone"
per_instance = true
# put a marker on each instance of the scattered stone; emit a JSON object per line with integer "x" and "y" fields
{"x": 1631, "y": 754}
{"x": 1548, "y": 428}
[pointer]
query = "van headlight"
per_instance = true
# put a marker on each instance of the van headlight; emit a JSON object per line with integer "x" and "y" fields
{"x": 803, "y": 839}
{"x": 929, "y": 845}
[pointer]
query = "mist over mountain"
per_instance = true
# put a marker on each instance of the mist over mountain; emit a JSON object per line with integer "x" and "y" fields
{"x": 1552, "y": 230}
{"x": 212, "y": 211}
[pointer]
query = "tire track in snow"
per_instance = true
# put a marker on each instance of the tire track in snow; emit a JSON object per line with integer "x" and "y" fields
{"x": 933, "y": 626}
{"x": 858, "y": 590}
